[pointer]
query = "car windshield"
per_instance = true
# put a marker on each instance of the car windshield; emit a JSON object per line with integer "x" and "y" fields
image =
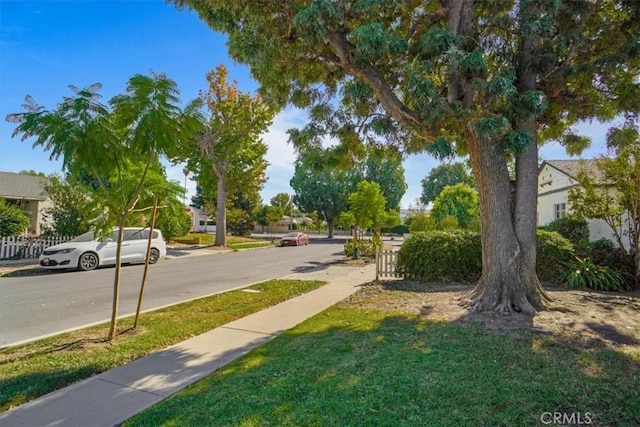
{"x": 86, "y": 237}
{"x": 291, "y": 235}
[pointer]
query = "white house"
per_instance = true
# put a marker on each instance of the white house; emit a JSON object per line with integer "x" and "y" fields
{"x": 555, "y": 179}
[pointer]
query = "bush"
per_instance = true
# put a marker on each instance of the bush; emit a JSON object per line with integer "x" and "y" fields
{"x": 173, "y": 224}
{"x": 441, "y": 256}
{"x": 12, "y": 220}
{"x": 576, "y": 230}
{"x": 398, "y": 229}
{"x": 553, "y": 252}
{"x": 605, "y": 253}
{"x": 457, "y": 256}
{"x": 366, "y": 248}
{"x": 239, "y": 222}
{"x": 583, "y": 273}
{"x": 422, "y": 222}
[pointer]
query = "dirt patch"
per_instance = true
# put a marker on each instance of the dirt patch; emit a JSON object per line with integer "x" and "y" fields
{"x": 593, "y": 318}
{"x": 18, "y": 270}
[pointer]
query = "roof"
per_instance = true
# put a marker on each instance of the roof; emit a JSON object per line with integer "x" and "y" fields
{"x": 573, "y": 167}
{"x": 21, "y": 186}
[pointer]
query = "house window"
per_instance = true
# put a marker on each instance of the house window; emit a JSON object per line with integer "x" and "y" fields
{"x": 560, "y": 210}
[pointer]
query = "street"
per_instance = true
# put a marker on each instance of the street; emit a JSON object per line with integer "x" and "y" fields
{"x": 45, "y": 304}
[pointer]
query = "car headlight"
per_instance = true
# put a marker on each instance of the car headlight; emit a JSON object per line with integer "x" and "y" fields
{"x": 66, "y": 251}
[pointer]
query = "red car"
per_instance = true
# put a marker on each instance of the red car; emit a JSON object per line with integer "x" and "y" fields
{"x": 294, "y": 239}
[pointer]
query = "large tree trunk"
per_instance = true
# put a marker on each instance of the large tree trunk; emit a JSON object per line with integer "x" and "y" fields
{"x": 508, "y": 282}
{"x": 221, "y": 205}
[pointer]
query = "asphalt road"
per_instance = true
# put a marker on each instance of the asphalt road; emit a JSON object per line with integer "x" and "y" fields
{"x": 46, "y": 304}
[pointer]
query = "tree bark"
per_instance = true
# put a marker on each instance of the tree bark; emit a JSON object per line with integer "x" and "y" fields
{"x": 330, "y": 229}
{"x": 221, "y": 205}
{"x": 116, "y": 281}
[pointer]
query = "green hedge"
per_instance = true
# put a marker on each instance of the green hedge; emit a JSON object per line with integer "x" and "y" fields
{"x": 441, "y": 256}
{"x": 398, "y": 229}
{"x": 366, "y": 248}
{"x": 456, "y": 256}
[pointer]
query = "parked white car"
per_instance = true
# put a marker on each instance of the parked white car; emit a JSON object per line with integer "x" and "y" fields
{"x": 87, "y": 253}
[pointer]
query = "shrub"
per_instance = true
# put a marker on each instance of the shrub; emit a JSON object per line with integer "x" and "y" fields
{"x": 457, "y": 256}
{"x": 366, "y": 248}
{"x": 441, "y": 256}
{"x": 576, "y": 230}
{"x": 449, "y": 222}
{"x": 239, "y": 223}
{"x": 553, "y": 252}
{"x": 173, "y": 225}
{"x": 398, "y": 229}
{"x": 422, "y": 222}
{"x": 583, "y": 273}
{"x": 605, "y": 253}
{"x": 12, "y": 220}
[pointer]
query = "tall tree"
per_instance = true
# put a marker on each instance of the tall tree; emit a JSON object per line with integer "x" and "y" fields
{"x": 230, "y": 151}
{"x": 487, "y": 78}
{"x": 321, "y": 187}
{"x": 367, "y": 204}
{"x": 385, "y": 168}
{"x": 441, "y": 176}
{"x": 615, "y": 198}
{"x": 115, "y": 147}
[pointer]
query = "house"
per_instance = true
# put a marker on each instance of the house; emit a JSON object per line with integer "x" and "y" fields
{"x": 555, "y": 179}
{"x": 199, "y": 219}
{"x": 28, "y": 193}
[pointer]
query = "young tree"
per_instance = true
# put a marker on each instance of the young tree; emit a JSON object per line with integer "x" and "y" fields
{"x": 116, "y": 148}
{"x": 459, "y": 201}
{"x": 229, "y": 149}
{"x": 491, "y": 79}
{"x": 442, "y": 176}
{"x": 367, "y": 205}
{"x": 619, "y": 208}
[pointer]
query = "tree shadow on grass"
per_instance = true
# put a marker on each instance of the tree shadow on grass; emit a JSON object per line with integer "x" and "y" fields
{"x": 355, "y": 366}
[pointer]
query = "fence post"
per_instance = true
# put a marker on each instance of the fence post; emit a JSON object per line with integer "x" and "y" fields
{"x": 377, "y": 263}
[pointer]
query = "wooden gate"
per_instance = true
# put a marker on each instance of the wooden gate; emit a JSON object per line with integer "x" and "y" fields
{"x": 386, "y": 260}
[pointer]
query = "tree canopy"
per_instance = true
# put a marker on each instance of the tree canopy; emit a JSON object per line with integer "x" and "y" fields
{"x": 459, "y": 201}
{"x": 442, "y": 176}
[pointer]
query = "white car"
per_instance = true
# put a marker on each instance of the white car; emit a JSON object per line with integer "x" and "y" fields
{"x": 86, "y": 253}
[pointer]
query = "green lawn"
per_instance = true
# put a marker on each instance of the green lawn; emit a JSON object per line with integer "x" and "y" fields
{"x": 354, "y": 365}
{"x": 32, "y": 370}
{"x": 233, "y": 242}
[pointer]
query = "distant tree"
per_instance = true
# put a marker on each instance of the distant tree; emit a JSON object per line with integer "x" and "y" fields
{"x": 72, "y": 210}
{"x": 321, "y": 187}
{"x": 282, "y": 200}
{"x": 229, "y": 151}
{"x": 620, "y": 209}
{"x": 33, "y": 173}
{"x": 385, "y": 168}
{"x": 13, "y": 220}
{"x": 442, "y": 176}
{"x": 459, "y": 201}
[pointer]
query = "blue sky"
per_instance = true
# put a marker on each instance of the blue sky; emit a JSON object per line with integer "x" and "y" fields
{"x": 45, "y": 46}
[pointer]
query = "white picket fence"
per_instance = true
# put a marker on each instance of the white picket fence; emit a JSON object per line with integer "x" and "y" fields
{"x": 26, "y": 247}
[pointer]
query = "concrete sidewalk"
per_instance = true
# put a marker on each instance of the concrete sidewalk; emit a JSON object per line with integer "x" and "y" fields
{"x": 112, "y": 397}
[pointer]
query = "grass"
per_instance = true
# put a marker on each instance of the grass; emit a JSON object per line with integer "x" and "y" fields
{"x": 34, "y": 369}
{"x": 233, "y": 242}
{"x": 353, "y": 365}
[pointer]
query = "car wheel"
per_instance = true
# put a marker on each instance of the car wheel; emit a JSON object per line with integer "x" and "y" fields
{"x": 88, "y": 261}
{"x": 154, "y": 256}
